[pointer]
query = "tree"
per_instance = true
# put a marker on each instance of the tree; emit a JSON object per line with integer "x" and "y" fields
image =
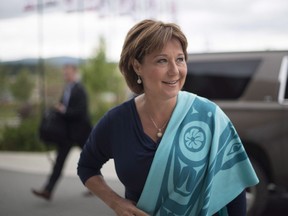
{"x": 23, "y": 85}
{"x": 4, "y": 91}
{"x": 104, "y": 82}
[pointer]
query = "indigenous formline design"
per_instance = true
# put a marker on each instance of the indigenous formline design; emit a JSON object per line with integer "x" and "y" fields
{"x": 203, "y": 168}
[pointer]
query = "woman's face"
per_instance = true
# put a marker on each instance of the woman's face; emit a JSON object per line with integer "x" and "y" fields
{"x": 163, "y": 73}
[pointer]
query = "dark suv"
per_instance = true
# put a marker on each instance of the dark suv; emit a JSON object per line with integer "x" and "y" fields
{"x": 251, "y": 88}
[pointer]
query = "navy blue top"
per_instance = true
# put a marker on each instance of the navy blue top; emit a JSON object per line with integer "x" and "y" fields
{"x": 120, "y": 135}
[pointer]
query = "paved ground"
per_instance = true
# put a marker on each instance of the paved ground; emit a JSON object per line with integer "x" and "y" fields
{"x": 19, "y": 172}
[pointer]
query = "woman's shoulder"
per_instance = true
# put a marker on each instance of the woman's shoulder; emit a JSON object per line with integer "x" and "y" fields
{"x": 122, "y": 110}
{"x": 116, "y": 116}
{"x": 202, "y": 103}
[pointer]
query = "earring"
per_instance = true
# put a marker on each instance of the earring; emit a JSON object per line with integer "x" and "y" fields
{"x": 139, "y": 81}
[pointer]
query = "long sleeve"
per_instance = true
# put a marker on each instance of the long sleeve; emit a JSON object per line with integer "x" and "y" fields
{"x": 96, "y": 152}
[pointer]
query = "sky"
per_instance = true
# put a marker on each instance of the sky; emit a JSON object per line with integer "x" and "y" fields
{"x": 210, "y": 26}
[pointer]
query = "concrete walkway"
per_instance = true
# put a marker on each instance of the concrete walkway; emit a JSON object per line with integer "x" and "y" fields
{"x": 40, "y": 163}
{"x": 21, "y": 171}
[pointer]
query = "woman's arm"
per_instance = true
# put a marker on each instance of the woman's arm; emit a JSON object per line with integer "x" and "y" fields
{"x": 121, "y": 206}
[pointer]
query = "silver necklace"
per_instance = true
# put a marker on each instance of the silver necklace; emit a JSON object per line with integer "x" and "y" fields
{"x": 159, "y": 133}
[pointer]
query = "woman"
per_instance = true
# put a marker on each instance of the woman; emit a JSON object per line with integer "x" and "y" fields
{"x": 176, "y": 153}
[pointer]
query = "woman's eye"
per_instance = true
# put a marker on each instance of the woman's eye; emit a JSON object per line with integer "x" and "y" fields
{"x": 162, "y": 61}
{"x": 181, "y": 59}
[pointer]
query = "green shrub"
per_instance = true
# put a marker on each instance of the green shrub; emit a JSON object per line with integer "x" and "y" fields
{"x": 23, "y": 137}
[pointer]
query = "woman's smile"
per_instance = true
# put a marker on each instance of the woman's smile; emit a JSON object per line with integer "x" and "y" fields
{"x": 171, "y": 83}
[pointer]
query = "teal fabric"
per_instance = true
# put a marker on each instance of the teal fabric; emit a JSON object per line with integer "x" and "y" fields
{"x": 223, "y": 212}
{"x": 200, "y": 164}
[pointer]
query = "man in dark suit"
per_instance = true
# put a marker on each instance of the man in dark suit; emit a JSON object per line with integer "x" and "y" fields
{"x": 73, "y": 107}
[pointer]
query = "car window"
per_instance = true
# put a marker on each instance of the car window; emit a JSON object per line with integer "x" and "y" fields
{"x": 219, "y": 79}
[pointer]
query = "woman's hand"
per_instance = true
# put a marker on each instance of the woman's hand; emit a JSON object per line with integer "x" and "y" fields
{"x": 121, "y": 206}
{"x": 124, "y": 207}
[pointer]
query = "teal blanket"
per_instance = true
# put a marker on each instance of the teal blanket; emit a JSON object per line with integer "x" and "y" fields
{"x": 200, "y": 164}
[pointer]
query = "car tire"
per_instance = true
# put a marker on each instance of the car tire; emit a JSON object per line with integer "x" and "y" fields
{"x": 257, "y": 195}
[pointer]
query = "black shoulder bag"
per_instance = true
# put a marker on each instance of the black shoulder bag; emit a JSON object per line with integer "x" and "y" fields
{"x": 52, "y": 128}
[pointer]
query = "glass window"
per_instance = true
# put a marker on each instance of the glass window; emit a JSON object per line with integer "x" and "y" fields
{"x": 219, "y": 79}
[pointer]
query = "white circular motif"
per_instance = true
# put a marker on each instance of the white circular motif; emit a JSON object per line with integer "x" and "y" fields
{"x": 195, "y": 140}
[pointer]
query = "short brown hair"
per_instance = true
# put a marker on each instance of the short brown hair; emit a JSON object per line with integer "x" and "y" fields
{"x": 142, "y": 39}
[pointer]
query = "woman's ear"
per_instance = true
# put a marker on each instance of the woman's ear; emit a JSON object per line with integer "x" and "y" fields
{"x": 136, "y": 66}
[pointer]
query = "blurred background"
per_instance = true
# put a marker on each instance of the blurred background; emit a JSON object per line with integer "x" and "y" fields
{"x": 37, "y": 37}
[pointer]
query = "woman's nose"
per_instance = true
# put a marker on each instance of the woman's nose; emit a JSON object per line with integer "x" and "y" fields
{"x": 173, "y": 68}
